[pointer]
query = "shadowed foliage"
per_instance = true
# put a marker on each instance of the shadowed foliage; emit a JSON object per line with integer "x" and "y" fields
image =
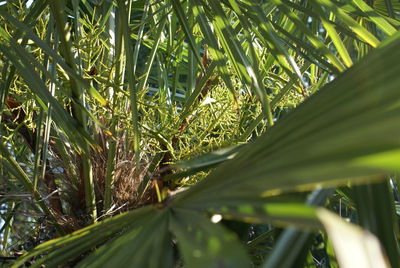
{"x": 203, "y": 133}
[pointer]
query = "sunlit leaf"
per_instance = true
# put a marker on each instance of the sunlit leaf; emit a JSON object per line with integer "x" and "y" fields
{"x": 353, "y": 245}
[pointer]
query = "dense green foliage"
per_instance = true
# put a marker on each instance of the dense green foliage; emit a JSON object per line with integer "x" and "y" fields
{"x": 199, "y": 133}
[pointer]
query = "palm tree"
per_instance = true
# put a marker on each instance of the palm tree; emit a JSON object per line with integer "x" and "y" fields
{"x": 199, "y": 133}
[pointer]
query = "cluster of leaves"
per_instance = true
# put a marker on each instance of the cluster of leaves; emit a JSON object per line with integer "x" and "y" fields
{"x": 136, "y": 126}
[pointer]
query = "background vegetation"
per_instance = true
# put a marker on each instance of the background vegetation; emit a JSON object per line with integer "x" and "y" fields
{"x": 199, "y": 133}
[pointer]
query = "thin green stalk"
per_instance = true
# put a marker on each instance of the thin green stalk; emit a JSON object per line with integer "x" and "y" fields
{"x": 78, "y": 96}
{"x": 37, "y": 149}
{"x": 110, "y": 171}
{"x": 8, "y": 225}
{"x": 140, "y": 35}
{"x": 118, "y": 78}
{"x": 123, "y": 19}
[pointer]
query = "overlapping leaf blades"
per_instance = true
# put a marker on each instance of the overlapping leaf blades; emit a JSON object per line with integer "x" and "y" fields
{"x": 337, "y": 120}
{"x": 329, "y": 138}
{"x": 348, "y": 131}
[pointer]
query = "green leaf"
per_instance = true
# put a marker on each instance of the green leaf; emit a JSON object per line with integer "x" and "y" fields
{"x": 68, "y": 124}
{"x": 310, "y": 36}
{"x": 292, "y": 242}
{"x": 266, "y": 211}
{"x": 375, "y": 17}
{"x": 210, "y": 159}
{"x": 244, "y": 68}
{"x": 141, "y": 240}
{"x": 130, "y": 67}
{"x": 365, "y": 35}
{"x": 205, "y": 244}
{"x": 354, "y": 247}
{"x": 271, "y": 40}
{"x": 186, "y": 28}
{"x": 214, "y": 49}
{"x": 319, "y": 142}
{"x": 63, "y": 249}
{"x": 337, "y": 41}
{"x": 29, "y": 33}
{"x": 376, "y": 213}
